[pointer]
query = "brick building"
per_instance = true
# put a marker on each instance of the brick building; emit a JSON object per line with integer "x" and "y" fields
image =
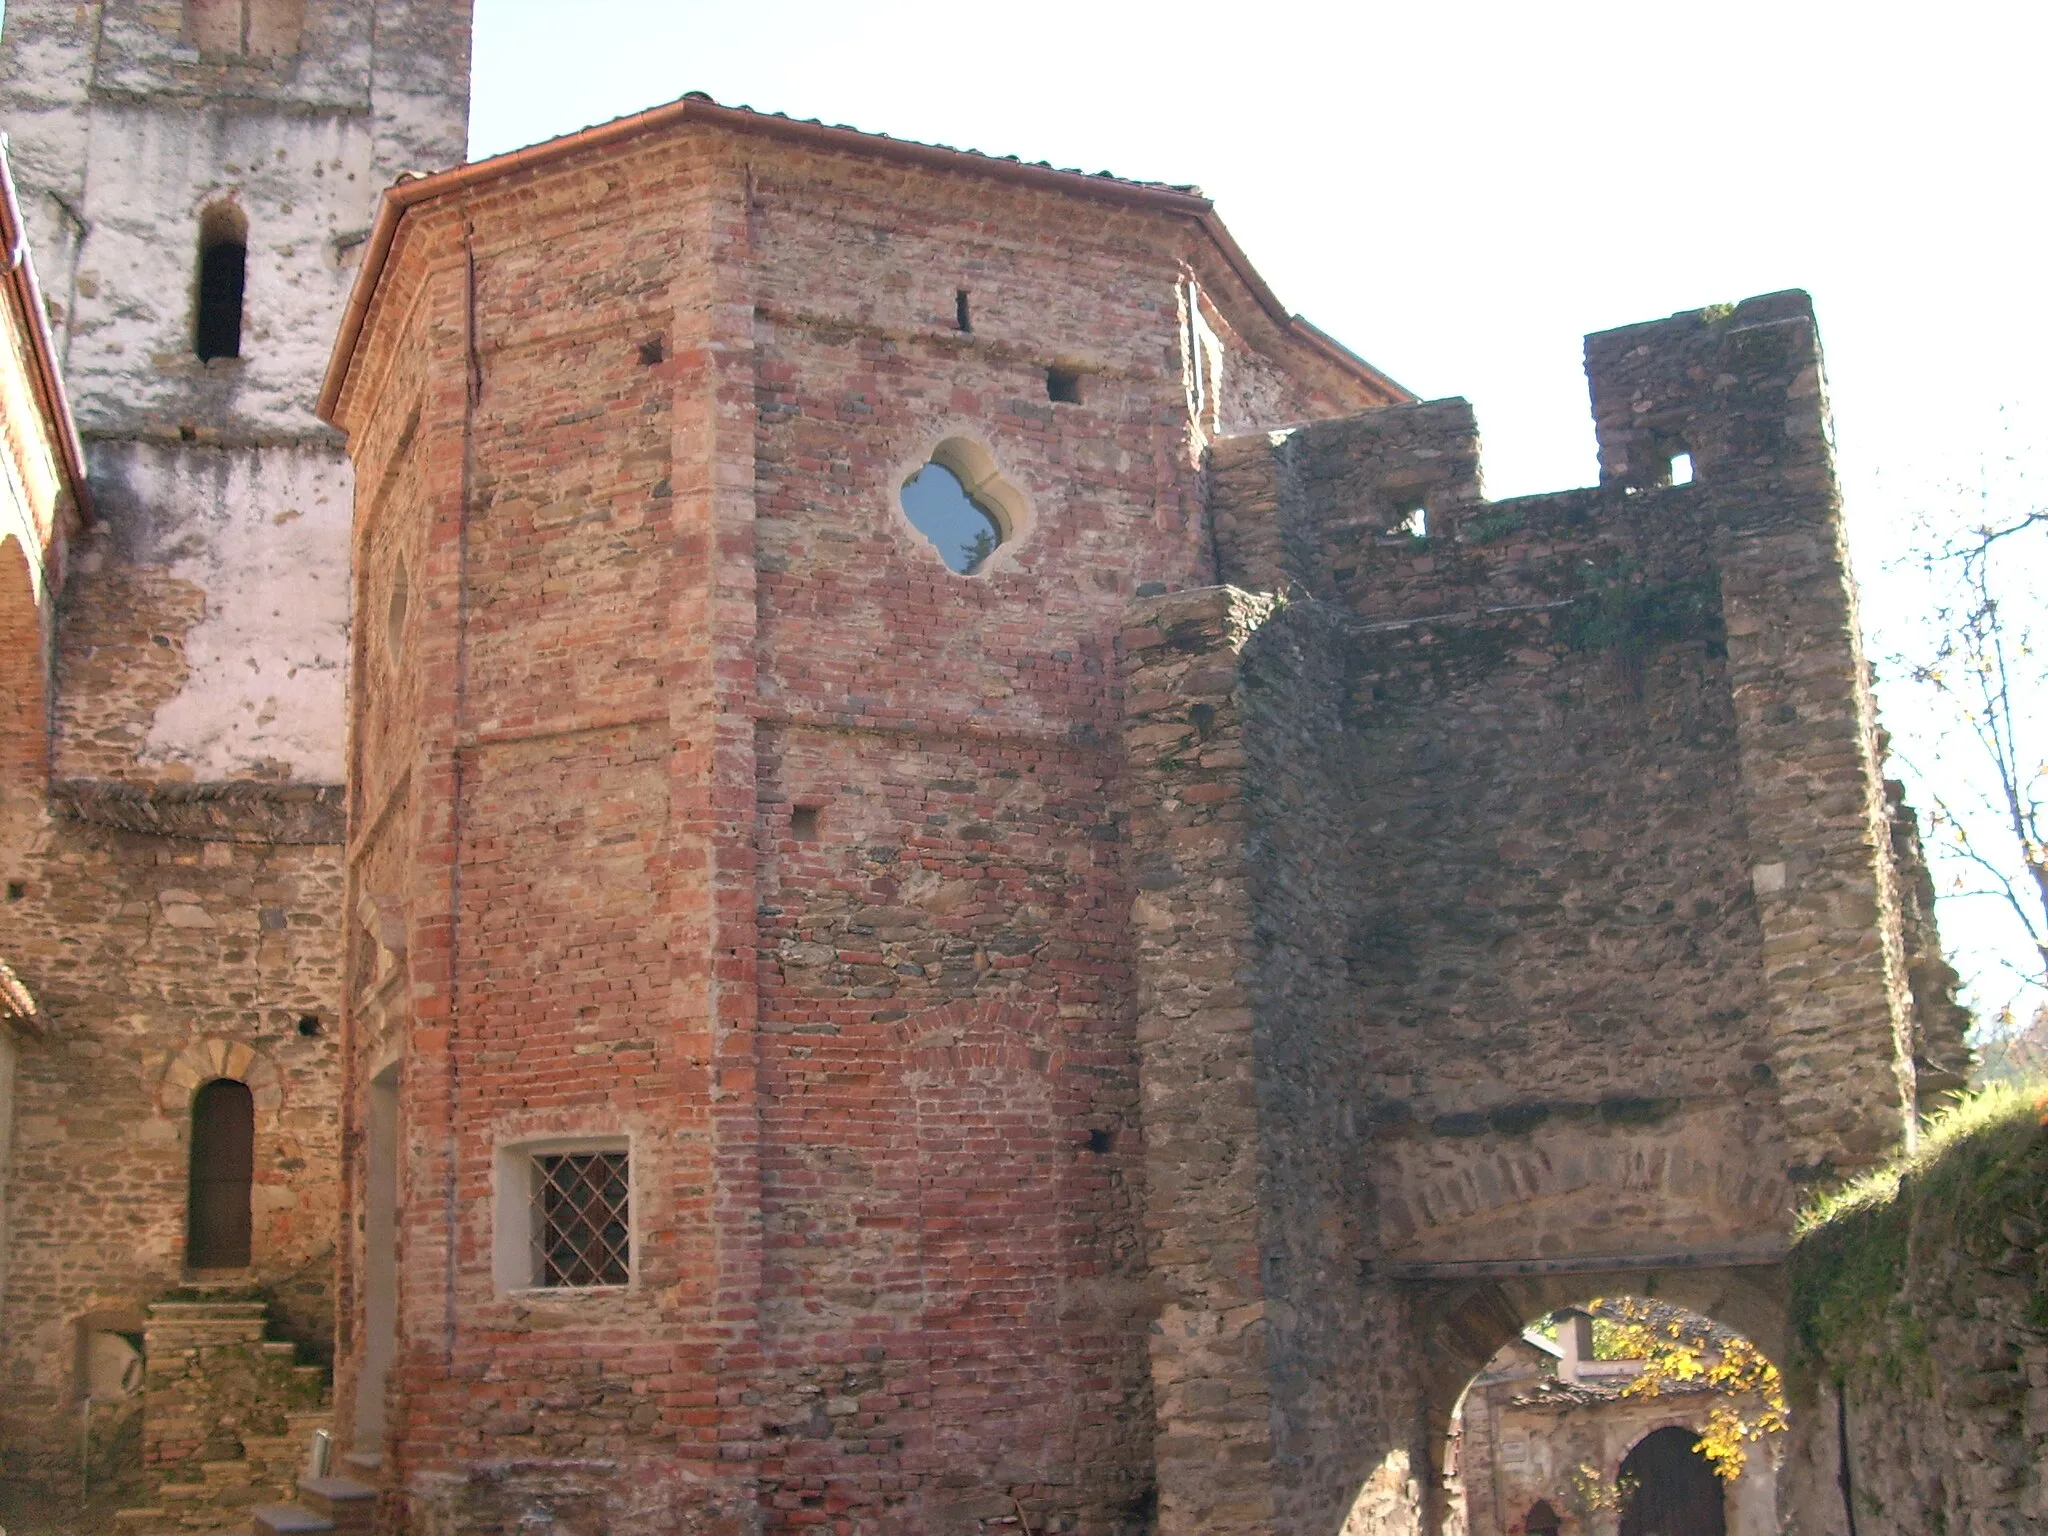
{"x": 963, "y": 881}
{"x": 827, "y": 1050}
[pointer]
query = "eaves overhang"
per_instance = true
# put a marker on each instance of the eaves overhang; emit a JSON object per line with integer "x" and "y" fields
{"x": 1182, "y": 202}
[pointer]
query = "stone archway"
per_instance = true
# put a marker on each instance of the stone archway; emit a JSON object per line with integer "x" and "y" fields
{"x": 215, "y": 1056}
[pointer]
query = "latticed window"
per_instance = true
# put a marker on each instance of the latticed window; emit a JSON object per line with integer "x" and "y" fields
{"x": 582, "y": 1219}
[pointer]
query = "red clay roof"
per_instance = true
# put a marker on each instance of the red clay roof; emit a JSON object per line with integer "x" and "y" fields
{"x": 1184, "y": 201}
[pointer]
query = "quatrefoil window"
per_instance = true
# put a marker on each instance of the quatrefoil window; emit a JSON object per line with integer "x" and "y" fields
{"x": 962, "y": 504}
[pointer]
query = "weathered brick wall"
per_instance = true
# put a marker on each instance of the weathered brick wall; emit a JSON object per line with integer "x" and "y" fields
{"x": 880, "y": 1081}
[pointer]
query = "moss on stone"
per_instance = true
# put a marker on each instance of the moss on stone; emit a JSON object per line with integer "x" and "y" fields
{"x": 1977, "y": 1183}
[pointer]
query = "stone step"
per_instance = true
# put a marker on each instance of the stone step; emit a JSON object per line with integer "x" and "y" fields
{"x": 184, "y": 1493}
{"x": 283, "y": 1347}
{"x": 209, "y": 1309}
{"x": 369, "y": 1462}
{"x": 289, "y": 1520}
{"x": 350, "y": 1505}
{"x": 140, "y": 1519}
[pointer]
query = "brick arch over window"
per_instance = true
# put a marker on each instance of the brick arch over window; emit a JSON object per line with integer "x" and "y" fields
{"x": 221, "y": 1176}
{"x": 214, "y": 1056}
{"x": 24, "y": 736}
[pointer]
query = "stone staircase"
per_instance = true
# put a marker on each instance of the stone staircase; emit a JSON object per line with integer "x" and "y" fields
{"x": 228, "y": 1420}
{"x": 324, "y": 1504}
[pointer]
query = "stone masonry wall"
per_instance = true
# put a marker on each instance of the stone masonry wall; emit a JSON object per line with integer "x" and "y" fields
{"x": 179, "y": 872}
{"x": 1284, "y": 1394}
{"x": 1921, "y": 1356}
{"x": 1623, "y": 963}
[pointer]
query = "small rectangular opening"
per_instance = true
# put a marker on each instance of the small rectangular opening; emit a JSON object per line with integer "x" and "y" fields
{"x": 960, "y": 315}
{"x": 581, "y": 1220}
{"x": 1063, "y": 385}
{"x": 1681, "y": 469}
{"x": 1414, "y": 522}
{"x": 803, "y": 823}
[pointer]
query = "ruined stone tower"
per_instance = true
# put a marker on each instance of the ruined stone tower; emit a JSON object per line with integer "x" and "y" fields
{"x": 196, "y": 180}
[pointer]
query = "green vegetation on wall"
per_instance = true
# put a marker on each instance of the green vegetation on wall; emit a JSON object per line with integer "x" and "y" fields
{"x": 1872, "y": 1264}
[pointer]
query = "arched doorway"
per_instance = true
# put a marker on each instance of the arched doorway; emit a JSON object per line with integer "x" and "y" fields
{"x": 1601, "y": 1417}
{"x": 223, "y": 1167}
{"x": 1669, "y": 1488}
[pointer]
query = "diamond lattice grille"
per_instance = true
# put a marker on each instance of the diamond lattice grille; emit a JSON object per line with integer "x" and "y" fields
{"x": 580, "y": 1225}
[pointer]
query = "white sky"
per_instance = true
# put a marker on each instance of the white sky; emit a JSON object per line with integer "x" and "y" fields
{"x": 1460, "y": 191}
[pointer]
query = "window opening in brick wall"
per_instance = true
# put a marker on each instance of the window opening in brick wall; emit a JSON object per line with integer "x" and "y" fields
{"x": 1542, "y": 1520}
{"x": 962, "y": 504}
{"x": 223, "y": 269}
{"x": 1681, "y": 469}
{"x": 960, "y": 315}
{"x": 581, "y": 1219}
{"x": 803, "y": 823}
{"x": 223, "y": 1168}
{"x": 1063, "y": 385}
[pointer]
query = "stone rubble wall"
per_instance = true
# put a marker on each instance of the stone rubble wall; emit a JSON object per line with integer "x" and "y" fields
{"x": 1922, "y": 1348}
{"x": 179, "y": 869}
{"x": 1525, "y": 892}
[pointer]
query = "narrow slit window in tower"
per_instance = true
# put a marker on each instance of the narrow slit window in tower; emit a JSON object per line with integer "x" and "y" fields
{"x": 223, "y": 1152}
{"x": 223, "y": 265}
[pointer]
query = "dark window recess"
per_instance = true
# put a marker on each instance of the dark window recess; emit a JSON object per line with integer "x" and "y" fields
{"x": 960, "y": 315}
{"x": 223, "y": 264}
{"x": 652, "y": 351}
{"x": 803, "y": 823}
{"x": 1542, "y": 1520}
{"x": 223, "y": 1167}
{"x": 580, "y": 1219}
{"x": 1064, "y": 385}
{"x": 16, "y": 890}
{"x": 309, "y": 1026}
{"x": 938, "y": 506}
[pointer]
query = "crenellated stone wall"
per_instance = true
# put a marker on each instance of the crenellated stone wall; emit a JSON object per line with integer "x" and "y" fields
{"x": 1535, "y": 860}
